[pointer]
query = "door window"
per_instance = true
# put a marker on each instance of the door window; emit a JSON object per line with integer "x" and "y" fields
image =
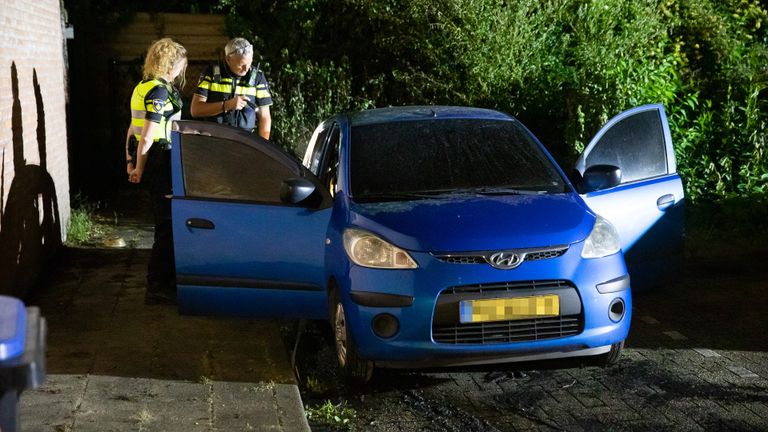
{"x": 228, "y": 170}
{"x": 330, "y": 169}
{"x": 317, "y": 151}
{"x": 635, "y": 144}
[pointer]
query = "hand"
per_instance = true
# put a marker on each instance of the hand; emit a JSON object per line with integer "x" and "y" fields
{"x": 236, "y": 103}
{"x": 129, "y": 167}
{"x": 135, "y": 176}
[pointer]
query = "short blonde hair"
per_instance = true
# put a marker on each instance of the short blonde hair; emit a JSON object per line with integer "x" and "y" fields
{"x": 162, "y": 57}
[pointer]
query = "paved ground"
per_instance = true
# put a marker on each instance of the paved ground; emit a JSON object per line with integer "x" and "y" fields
{"x": 697, "y": 360}
{"x": 115, "y": 364}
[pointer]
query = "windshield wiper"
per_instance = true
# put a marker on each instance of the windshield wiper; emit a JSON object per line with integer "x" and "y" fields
{"x": 393, "y": 196}
{"x": 437, "y": 193}
{"x": 507, "y": 191}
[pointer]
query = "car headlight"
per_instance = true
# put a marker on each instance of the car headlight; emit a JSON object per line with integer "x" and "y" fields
{"x": 368, "y": 250}
{"x": 602, "y": 241}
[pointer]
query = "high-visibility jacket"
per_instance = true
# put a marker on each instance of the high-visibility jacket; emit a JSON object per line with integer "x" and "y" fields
{"x": 155, "y": 100}
{"x": 217, "y": 83}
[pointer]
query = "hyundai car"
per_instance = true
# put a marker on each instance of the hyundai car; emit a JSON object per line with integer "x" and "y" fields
{"x": 428, "y": 236}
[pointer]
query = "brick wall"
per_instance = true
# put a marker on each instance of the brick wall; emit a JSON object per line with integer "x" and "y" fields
{"x": 34, "y": 173}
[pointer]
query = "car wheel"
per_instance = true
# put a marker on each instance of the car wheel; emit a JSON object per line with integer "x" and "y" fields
{"x": 612, "y": 356}
{"x": 352, "y": 365}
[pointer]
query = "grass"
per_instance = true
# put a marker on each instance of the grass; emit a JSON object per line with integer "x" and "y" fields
{"x": 338, "y": 416}
{"x": 314, "y": 385}
{"x": 143, "y": 418}
{"x": 82, "y": 222}
{"x": 262, "y": 387}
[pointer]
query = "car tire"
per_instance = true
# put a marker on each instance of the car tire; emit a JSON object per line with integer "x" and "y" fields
{"x": 353, "y": 367}
{"x": 612, "y": 356}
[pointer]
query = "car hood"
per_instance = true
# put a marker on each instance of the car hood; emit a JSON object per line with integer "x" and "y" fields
{"x": 477, "y": 223}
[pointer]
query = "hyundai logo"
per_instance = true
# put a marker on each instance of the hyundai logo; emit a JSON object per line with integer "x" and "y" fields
{"x": 505, "y": 260}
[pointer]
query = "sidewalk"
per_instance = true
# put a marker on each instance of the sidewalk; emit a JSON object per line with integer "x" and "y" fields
{"x": 115, "y": 364}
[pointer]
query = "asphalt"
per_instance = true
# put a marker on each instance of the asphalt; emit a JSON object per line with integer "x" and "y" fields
{"x": 116, "y": 364}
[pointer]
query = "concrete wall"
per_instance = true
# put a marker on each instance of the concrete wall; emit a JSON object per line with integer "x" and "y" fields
{"x": 34, "y": 172}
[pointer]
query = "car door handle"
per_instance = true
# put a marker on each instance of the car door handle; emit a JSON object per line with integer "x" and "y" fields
{"x": 665, "y": 201}
{"x": 200, "y": 223}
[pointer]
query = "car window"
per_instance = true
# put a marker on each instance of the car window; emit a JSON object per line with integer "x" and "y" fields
{"x": 330, "y": 169}
{"x": 317, "y": 151}
{"x": 448, "y": 155}
{"x": 223, "y": 169}
{"x": 634, "y": 144}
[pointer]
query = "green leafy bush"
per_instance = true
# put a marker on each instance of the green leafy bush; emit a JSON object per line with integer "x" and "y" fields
{"x": 563, "y": 67}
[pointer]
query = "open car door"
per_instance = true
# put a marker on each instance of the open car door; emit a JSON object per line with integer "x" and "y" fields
{"x": 239, "y": 248}
{"x": 645, "y": 200}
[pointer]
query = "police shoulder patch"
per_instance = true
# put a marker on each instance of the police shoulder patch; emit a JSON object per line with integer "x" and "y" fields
{"x": 158, "y": 104}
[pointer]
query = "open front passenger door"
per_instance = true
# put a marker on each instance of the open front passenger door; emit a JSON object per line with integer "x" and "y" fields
{"x": 645, "y": 202}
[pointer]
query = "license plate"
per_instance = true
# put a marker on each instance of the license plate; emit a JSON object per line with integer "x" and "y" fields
{"x": 507, "y": 309}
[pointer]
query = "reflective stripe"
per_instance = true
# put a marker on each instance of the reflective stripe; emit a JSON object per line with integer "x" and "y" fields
{"x": 169, "y": 126}
{"x": 221, "y": 88}
{"x": 245, "y": 91}
{"x": 209, "y": 80}
{"x": 204, "y": 84}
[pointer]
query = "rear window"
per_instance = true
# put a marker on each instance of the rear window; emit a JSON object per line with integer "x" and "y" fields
{"x": 447, "y": 155}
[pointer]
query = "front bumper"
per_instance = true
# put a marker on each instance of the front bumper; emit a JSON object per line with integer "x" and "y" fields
{"x": 494, "y": 358}
{"x": 414, "y": 343}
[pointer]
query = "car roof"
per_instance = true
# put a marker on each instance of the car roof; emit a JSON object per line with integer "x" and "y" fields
{"x": 409, "y": 113}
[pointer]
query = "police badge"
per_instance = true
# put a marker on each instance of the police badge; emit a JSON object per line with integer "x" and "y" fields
{"x": 158, "y": 105}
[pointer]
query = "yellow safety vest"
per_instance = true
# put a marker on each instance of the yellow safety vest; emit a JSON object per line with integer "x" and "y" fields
{"x": 155, "y": 100}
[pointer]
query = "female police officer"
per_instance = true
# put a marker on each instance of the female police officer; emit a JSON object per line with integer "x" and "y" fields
{"x": 155, "y": 103}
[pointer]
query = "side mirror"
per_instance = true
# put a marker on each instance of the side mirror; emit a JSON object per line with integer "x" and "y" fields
{"x": 598, "y": 177}
{"x": 298, "y": 191}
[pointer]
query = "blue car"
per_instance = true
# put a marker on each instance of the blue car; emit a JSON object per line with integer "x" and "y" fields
{"x": 428, "y": 236}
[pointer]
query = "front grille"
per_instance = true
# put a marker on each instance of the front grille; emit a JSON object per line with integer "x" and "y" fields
{"x": 534, "y": 256}
{"x": 505, "y": 287}
{"x": 482, "y": 257}
{"x": 462, "y": 259}
{"x": 508, "y": 331}
{"x": 447, "y": 328}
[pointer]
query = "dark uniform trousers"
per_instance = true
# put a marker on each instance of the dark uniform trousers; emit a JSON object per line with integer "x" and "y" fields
{"x": 161, "y": 272}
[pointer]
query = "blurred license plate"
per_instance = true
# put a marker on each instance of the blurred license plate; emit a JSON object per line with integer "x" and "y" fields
{"x": 505, "y": 309}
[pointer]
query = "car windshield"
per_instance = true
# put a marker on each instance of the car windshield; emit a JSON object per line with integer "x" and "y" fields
{"x": 426, "y": 158}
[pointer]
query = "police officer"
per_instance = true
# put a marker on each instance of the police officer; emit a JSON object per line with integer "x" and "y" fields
{"x": 155, "y": 103}
{"x": 233, "y": 92}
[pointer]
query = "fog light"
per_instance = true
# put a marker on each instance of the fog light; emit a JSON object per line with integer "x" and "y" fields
{"x": 616, "y": 310}
{"x": 385, "y": 325}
